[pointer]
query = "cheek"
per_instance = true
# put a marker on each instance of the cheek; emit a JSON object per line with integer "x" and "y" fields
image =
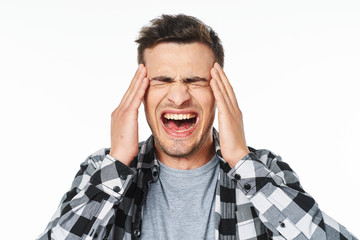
{"x": 148, "y": 104}
{"x": 152, "y": 99}
{"x": 205, "y": 99}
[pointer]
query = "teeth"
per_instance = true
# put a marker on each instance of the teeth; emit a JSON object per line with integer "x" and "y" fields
{"x": 179, "y": 116}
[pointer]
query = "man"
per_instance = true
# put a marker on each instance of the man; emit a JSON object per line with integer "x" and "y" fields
{"x": 187, "y": 181}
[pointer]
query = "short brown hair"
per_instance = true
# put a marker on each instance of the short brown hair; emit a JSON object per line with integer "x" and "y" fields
{"x": 180, "y": 29}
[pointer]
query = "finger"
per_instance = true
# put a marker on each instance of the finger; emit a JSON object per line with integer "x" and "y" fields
{"x": 215, "y": 75}
{"x": 131, "y": 86}
{"x": 137, "y": 73}
{"x": 227, "y": 85}
{"x": 219, "y": 97}
{"x": 134, "y": 88}
{"x": 140, "y": 93}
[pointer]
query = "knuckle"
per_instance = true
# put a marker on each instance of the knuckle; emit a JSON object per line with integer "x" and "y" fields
{"x": 116, "y": 112}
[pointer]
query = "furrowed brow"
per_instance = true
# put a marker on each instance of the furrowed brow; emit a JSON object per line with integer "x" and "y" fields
{"x": 186, "y": 80}
{"x": 195, "y": 79}
{"x": 162, "y": 79}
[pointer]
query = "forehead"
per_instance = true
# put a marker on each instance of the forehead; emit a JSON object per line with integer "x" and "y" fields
{"x": 179, "y": 58}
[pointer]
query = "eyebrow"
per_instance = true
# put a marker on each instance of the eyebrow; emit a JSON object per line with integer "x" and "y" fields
{"x": 186, "y": 80}
{"x": 162, "y": 79}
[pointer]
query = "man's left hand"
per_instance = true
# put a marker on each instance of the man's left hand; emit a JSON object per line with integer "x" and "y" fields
{"x": 231, "y": 128}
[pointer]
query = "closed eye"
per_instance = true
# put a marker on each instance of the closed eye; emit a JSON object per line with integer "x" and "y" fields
{"x": 197, "y": 81}
{"x": 160, "y": 81}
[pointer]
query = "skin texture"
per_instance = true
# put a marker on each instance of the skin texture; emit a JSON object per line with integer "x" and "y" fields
{"x": 231, "y": 127}
{"x": 124, "y": 119}
{"x": 164, "y": 86}
{"x": 180, "y": 62}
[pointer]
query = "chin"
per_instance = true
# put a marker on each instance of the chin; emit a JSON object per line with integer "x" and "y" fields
{"x": 181, "y": 147}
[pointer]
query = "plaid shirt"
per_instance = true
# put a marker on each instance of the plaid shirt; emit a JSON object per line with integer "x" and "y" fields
{"x": 260, "y": 198}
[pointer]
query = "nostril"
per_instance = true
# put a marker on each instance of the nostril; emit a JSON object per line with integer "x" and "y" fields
{"x": 179, "y": 98}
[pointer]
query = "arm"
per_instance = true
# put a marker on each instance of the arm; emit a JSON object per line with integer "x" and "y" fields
{"x": 282, "y": 204}
{"x": 87, "y": 208}
{"x": 270, "y": 184}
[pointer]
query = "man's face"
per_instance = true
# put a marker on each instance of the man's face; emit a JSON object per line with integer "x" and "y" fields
{"x": 179, "y": 103}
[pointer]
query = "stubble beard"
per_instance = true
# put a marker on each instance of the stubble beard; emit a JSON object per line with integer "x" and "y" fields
{"x": 177, "y": 149}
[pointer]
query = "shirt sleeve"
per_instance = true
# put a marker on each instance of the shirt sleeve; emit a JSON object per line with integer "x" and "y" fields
{"x": 86, "y": 210}
{"x": 282, "y": 204}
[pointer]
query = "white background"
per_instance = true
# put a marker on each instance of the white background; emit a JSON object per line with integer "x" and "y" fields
{"x": 64, "y": 66}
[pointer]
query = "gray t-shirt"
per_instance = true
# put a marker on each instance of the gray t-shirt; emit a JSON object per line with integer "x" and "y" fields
{"x": 181, "y": 204}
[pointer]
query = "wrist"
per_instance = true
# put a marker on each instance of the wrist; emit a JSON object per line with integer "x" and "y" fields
{"x": 237, "y": 157}
{"x": 121, "y": 157}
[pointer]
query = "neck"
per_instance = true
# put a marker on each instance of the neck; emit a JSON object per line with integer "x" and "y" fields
{"x": 196, "y": 160}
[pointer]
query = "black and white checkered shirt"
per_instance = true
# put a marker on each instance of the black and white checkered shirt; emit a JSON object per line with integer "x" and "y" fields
{"x": 260, "y": 198}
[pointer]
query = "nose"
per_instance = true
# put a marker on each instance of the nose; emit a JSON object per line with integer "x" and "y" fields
{"x": 179, "y": 93}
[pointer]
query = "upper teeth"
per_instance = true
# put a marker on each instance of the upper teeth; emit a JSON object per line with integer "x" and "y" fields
{"x": 179, "y": 116}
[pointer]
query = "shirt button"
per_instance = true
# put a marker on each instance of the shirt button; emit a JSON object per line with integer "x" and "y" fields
{"x": 247, "y": 186}
{"x": 116, "y": 189}
{"x": 123, "y": 176}
{"x": 237, "y": 177}
{"x": 137, "y": 233}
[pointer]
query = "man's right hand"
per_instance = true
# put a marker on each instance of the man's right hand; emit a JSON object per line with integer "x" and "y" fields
{"x": 124, "y": 119}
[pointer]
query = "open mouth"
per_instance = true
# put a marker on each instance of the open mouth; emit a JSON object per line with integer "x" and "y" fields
{"x": 179, "y": 123}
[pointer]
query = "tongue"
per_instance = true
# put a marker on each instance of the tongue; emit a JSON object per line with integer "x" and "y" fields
{"x": 178, "y": 125}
